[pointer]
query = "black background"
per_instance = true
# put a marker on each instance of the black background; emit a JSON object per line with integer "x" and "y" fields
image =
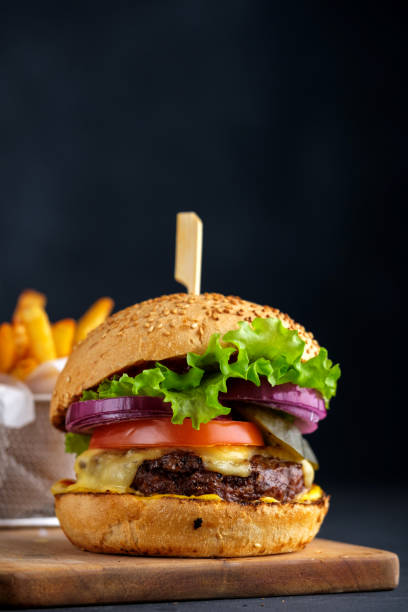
{"x": 281, "y": 124}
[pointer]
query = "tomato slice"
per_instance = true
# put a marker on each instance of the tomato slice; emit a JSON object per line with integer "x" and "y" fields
{"x": 161, "y": 432}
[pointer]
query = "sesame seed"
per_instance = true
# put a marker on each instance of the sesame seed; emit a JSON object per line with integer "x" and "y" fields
{"x": 194, "y": 325}
{"x": 151, "y": 328}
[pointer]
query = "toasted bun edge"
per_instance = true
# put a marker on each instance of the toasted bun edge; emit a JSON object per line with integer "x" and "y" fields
{"x": 173, "y": 527}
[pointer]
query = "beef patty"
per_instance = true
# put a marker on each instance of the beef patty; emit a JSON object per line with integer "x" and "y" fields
{"x": 182, "y": 473}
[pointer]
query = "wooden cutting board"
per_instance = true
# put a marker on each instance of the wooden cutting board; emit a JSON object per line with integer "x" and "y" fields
{"x": 39, "y": 567}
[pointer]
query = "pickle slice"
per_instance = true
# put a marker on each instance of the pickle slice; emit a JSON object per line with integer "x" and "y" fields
{"x": 279, "y": 431}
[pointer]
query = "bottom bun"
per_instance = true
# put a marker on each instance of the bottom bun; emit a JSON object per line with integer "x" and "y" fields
{"x": 186, "y": 527}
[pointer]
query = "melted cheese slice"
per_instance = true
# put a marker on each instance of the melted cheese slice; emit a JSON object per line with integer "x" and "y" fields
{"x": 313, "y": 494}
{"x": 100, "y": 470}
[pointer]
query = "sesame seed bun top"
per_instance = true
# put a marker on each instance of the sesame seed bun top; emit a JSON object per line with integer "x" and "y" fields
{"x": 154, "y": 330}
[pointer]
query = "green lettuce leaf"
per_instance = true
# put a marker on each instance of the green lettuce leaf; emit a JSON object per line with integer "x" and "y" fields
{"x": 76, "y": 443}
{"x": 267, "y": 338}
{"x": 264, "y": 347}
{"x": 317, "y": 373}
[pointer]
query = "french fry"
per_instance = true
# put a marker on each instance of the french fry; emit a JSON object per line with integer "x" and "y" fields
{"x": 24, "y": 367}
{"x": 26, "y": 299}
{"x": 21, "y": 341}
{"x": 63, "y": 333}
{"x": 7, "y": 347}
{"x": 39, "y": 333}
{"x": 93, "y": 317}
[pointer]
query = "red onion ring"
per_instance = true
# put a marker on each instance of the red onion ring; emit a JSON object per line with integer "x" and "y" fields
{"x": 306, "y": 405}
{"x": 84, "y": 417}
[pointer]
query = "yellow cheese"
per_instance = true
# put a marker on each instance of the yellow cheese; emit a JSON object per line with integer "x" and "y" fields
{"x": 308, "y": 473}
{"x": 108, "y": 470}
{"x": 206, "y": 497}
{"x": 228, "y": 460}
{"x": 100, "y": 470}
{"x": 313, "y": 494}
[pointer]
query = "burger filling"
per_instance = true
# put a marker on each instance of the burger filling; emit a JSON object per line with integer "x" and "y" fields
{"x": 233, "y": 473}
{"x": 226, "y": 423}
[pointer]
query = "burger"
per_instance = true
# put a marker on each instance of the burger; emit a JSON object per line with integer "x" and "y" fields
{"x": 187, "y": 415}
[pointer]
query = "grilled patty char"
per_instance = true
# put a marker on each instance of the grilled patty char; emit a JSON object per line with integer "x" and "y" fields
{"x": 182, "y": 473}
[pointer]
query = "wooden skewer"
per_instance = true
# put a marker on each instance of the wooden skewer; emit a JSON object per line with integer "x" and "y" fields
{"x": 189, "y": 246}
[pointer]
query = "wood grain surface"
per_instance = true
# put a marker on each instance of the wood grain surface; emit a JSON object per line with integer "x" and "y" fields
{"x": 39, "y": 567}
